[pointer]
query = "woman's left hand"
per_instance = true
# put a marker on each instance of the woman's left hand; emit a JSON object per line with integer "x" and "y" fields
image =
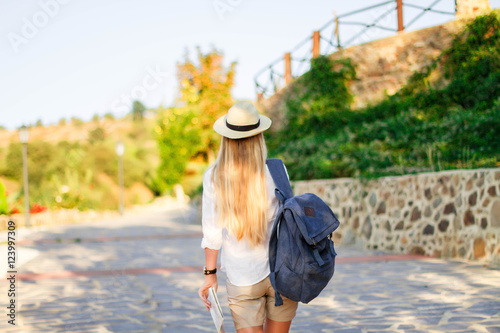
{"x": 210, "y": 281}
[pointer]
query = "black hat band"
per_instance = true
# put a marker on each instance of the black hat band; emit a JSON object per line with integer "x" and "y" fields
{"x": 243, "y": 128}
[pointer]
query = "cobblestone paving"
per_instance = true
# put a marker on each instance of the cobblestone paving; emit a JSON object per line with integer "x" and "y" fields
{"x": 427, "y": 295}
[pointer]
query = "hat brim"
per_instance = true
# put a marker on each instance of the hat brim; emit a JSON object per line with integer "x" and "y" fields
{"x": 221, "y": 128}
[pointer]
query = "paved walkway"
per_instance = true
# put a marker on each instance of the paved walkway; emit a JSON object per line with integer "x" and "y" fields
{"x": 141, "y": 274}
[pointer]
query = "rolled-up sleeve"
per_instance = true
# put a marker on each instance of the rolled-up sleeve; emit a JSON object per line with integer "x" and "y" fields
{"x": 212, "y": 233}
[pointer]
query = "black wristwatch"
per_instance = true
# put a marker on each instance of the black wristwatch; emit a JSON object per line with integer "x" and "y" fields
{"x": 209, "y": 271}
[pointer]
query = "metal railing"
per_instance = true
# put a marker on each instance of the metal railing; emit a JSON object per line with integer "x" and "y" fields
{"x": 279, "y": 72}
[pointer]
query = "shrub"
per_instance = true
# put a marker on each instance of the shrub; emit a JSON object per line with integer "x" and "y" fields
{"x": 37, "y": 208}
{"x": 76, "y": 121}
{"x": 96, "y": 135}
{"x": 3, "y": 200}
{"x": 178, "y": 138}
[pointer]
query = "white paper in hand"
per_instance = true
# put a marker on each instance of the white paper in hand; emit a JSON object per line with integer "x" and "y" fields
{"x": 216, "y": 311}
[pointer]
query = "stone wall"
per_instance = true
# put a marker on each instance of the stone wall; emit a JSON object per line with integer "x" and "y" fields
{"x": 443, "y": 214}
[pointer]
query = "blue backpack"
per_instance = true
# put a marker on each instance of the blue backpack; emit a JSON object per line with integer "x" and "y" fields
{"x": 301, "y": 251}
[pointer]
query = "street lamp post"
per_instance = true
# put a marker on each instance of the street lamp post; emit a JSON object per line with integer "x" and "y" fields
{"x": 23, "y": 137}
{"x": 120, "y": 149}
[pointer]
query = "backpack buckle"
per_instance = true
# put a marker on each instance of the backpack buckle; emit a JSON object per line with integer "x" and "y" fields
{"x": 279, "y": 195}
{"x": 314, "y": 242}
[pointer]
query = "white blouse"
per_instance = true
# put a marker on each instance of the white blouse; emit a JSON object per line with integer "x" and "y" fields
{"x": 244, "y": 266}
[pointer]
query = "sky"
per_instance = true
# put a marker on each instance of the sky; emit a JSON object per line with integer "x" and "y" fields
{"x": 75, "y": 58}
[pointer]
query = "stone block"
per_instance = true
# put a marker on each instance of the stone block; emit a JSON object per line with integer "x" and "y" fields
{"x": 436, "y": 202}
{"x": 387, "y": 226}
{"x": 480, "y": 181}
{"x": 443, "y": 225}
{"x": 428, "y": 230}
{"x": 367, "y": 228}
{"x": 484, "y": 223}
{"x": 381, "y": 208}
{"x": 355, "y": 223}
{"x": 473, "y": 199}
{"x": 437, "y": 216}
{"x": 415, "y": 214}
{"x": 479, "y": 248}
{"x": 427, "y": 211}
{"x": 468, "y": 218}
{"x": 495, "y": 214}
{"x": 492, "y": 191}
{"x": 456, "y": 222}
{"x": 400, "y": 225}
{"x": 449, "y": 208}
{"x": 417, "y": 250}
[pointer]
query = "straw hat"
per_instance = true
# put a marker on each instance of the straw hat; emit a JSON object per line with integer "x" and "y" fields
{"x": 241, "y": 121}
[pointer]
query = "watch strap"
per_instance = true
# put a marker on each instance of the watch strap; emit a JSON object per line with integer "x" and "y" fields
{"x": 209, "y": 271}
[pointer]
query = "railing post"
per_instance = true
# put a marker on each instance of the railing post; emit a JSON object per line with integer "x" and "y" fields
{"x": 288, "y": 68}
{"x": 315, "y": 50}
{"x": 337, "y": 32}
{"x": 400, "y": 15}
{"x": 272, "y": 79}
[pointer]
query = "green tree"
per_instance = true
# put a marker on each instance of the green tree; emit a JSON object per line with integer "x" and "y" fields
{"x": 109, "y": 116}
{"x": 178, "y": 136}
{"x": 138, "y": 110}
{"x": 205, "y": 89}
{"x": 13, "y": 169}
{"x": 186, "y": 130}
{"x": 320, "y": 100}
{"x": 96, "y": 135}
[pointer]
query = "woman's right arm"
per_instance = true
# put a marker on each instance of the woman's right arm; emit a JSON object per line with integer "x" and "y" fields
{"x": 212, "y": 237}
{"x": 211, "y": 279}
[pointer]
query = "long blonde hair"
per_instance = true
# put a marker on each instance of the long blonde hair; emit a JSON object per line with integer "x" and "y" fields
{"x": 240, "y": 187}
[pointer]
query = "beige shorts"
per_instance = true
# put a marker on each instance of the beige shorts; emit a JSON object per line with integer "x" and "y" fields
{"x": 250, "y": 305}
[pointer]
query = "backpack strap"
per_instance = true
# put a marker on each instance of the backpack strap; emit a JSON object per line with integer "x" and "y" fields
{"x": 278, "y": 300}
{"x": 283, "y": 188}
{"x": 283, "y": 191}
{"x": 273, "y": 248}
